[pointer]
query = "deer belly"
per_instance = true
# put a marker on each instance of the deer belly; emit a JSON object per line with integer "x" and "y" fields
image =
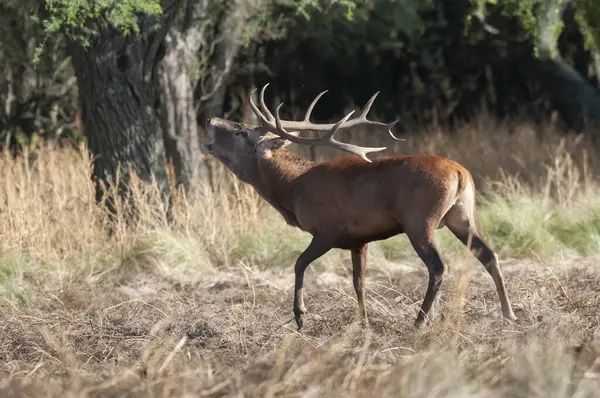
{"x": 354, "y": 241}
{"x": 373, "y": 229}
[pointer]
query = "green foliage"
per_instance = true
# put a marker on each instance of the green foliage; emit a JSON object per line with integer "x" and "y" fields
{"x": 73, "y": 16}
{"x": 36, "y": 98}
{"x": 82, "y": 19}
{"x": 392, "y": 16}
{"x": 341, "y": 28}
{"x": 307, "y": 7}
{"x": 587, "y": 16}
{"x": 541, "y": 19}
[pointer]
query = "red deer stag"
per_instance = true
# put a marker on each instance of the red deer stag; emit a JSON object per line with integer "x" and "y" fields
{"x": 348, "y": 202}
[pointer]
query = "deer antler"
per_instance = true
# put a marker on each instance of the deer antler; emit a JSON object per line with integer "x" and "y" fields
{"x": 279, "y": 127}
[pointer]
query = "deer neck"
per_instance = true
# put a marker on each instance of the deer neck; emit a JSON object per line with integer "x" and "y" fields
{"x": 278, "y": 176}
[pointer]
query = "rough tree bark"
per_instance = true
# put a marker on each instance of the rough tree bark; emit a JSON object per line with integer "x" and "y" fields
{"x": 211, "y": 89}
{"x": 117, "y": 80}
{"x": 177, "y": 109}
{"x": 182, "y": 100}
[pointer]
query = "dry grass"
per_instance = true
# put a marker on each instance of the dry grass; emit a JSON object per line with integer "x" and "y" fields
{"x": 201, "y": 307}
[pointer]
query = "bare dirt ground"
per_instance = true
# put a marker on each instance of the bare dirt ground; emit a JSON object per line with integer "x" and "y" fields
{"x": 144, "y": 329}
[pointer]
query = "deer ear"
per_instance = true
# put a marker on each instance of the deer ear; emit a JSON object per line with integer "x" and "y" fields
{"x": 272, "y": 143}
{"x": 277, "y": 143}
{"x": 266, "y": 146}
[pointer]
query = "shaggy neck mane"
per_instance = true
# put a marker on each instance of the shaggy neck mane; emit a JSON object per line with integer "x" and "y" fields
{"x": 277, "y": 177}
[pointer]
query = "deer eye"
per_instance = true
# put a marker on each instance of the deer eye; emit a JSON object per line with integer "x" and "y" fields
{"x": 243, "y": 133}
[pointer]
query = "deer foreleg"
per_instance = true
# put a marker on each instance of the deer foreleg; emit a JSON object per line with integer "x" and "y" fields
{"x": 318, "y": 247}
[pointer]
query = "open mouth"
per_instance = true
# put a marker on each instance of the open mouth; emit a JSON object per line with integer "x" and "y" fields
{"x": 208, "y": 146}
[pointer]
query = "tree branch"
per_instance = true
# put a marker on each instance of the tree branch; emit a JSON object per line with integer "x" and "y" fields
{"x": 158, "y": 35}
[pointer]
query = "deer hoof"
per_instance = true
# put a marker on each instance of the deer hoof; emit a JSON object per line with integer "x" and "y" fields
{"x": 298, "y": 312}
{"x": 299, "y": 320}
{"x": 419, "y": 323}
{"x": 511, "y": 318}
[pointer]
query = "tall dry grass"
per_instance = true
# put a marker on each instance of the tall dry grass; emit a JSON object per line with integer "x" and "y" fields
{"x": 537, "y": 193}
{"x": 194, "y": 308}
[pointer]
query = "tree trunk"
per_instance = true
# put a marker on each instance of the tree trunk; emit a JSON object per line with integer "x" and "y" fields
{"x": 116, "y": 81}
{"x": 577, "y": 100}
{"x": 178, "y": 114}
{"x": 211, "y": 92}
{"x": 121, "y": 127}
{"x": 596, "y": 58}
{"x": 211, "y": 97}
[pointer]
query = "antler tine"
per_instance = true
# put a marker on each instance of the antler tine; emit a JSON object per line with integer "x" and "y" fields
{"x": 355, "y": 149}
{"x": 358, "y": 150}
{"x": 367, "y": 107}
{"x": 256, "y": 110}
{"x": 264, "y": 105}
{"x": 336, "y": 126}
{"x": 312, "y": 105}
{"x": 327, "y": 140}
{"x": 293, "y": 136}
{"x": 390, "y": 127}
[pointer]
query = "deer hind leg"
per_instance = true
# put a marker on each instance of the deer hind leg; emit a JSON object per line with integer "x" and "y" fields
{"x": 421, "y": 239}
{"x": 466, "y": 228}
{"x": 318, "y": 247}
{"x": 359, "y": 270}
